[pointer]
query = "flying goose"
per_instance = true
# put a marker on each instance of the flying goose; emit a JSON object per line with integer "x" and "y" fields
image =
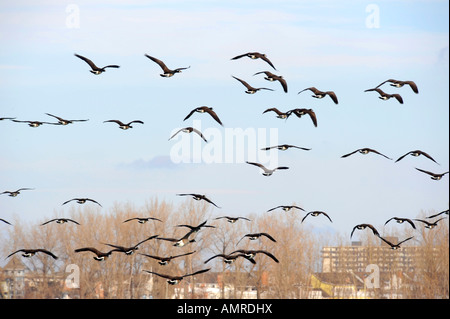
{"x": 429, "y": 225}
{"x": 267, "y": 172}
{"x": 399, "y": 84}
{"x": 61, "y": 221}
{"x": 252, "y": 253}
{"x": 229, "y": 259}
{"x": 254, "y": 56}
{"x": 163, "y": 261}
{"x": 142, "y": 220}
{"x": 173, "y": 280}
{"x": 132, "y": 249}
{"x": 438, "y": 214}
{"x": 395, "y": 246}
{"x": 95, "y": 69}
{"x": 124, "y": 126}
{"x": 284, "y": 147}
{"x": 179, "y": 242}
{"x": 250, "y": 89}
{"x": 255, "y": 236}
{"x": 167, "y": 72}
{"x": 82, "y": 201}
{"x": 321, "y": 94}
{"x": 196, "y": 229}
{"x": 232, "y": 220}
{"x": 272, "y": 77}
{"x": 364, "y": 226}
{"x": 416, "y": 153}
{"x": 401, "y": 221}
{"x": 99, "y": 256}
{"x": 15, "y": 193}
{"x": 199, "y": 197}
{"x": 301, "y": 111}
{"x": 64, "y": 121}
{"x": 286, "y": 208}
{"x": 204, "y": 109}
{"x": 434, "y": 176}
{"x": 365, "y": 151}
{"x": 35, "y": 123}
{"x": 317, "y": 213}
{"x": 385, "y": 96}
{"x": 5, "y": 221}
{"x": 280, "y": 115}
{"x": 31, "y": 252}
{"x": 189, "y": 130}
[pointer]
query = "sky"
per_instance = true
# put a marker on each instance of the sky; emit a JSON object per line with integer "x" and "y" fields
{"x": 341, "y": 46}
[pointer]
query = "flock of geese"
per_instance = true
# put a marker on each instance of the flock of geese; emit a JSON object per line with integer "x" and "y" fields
{"x": 190, "y": 235}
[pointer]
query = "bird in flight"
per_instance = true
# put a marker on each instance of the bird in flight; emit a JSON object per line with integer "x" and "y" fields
{"x": 180, "y": 242}
{"x": 364, "y": 226}
{"x": 99, "y": 256}
{"x": 399, "y": 84}
{"x": 189, "y": 130}
{"x": 142, "y": 220}
{"x": 317, "y": 213}
{"x": 64, "y": 121}
{"x": 385, "y": 96}
{"x": 286, "y": 208}
{"x": 254, "y": 56}
{"x": 438, "y": 214}
{"x": 35, "y": 123}
{"x": 365, "y": 151}
{"x": 15, "y": 193}
{"x": 232, "y": 220}
{"x": 124, "y": 126}
{"x": 434, "y": 176}
{"x": 95, "y": 69}
{"x": 284, "y": 147}
{"x": 82, "y": 201}
{"x": 280, "y": 115}
{"x": 255, "y": 236}
{"x": 272, "y": 77}
{"x": 252, "y": 253}
{"x": 401, "y": 221}
{"x": 416, "y": 153}
{"x": 163, "y": 261}
{"x": 199, "y": 197}
{"x": 430, "y": 225}
{"x": 196, "y": 229}
{"x": 167, "y": 72}
{"x": 61, "y": 221}
{"x": 31, "y": 252}
{"x": 395, "y": 246}
{"x": 173, "y": 280}
{"x": 267, "y": 171}
{"x": 301, "y": 111}
{"x": 251, "y": 89}
{"x": 321, "y": 94}
{"x": 204, "y": 109}
{"x": 132, "y": 249}
{"x": 229, "y": 259}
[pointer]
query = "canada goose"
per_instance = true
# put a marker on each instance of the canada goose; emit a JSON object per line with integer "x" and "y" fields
{"x": 31, "y": 252}
{"x": 401, "y": 221}
{"x": 5, "y": 221}
{"x": 385, "y": 96}
{"x": 317, "y": 213}
{"x": 204, "y": 109}
{"x": 254, "y": 56}
{"x": 365, "y": 151}
{"x": 82, "y": 201}
{"x": 199, "y": 197}
{"x": 280, "y": 115}
{"x": 266, "y": 171}
{"x": 167, "y": 72}
{"x": 284, "y": 147}
{"x": 320, "y": 94}
{"x": 35, "y": 123}
{"x": 429, "y": 225}
{"x": 95, "y": 69}
{"x": 286, "y": 208}
{"x": 364, "y": 226}
{"x": 399, "y": 84}
{"x": 252, "y": 253}
{"x": 124, "y": 126}
{"x": 163, "y": 261}
{"x": 64, "y": 121}
{"x": 272, "y": 77}
{"x": 173, "y": 280}
{"x": 395, "y": 246}
{"x": 438, "y": 214}
{"x": 189, "y": 130}
{"x": 300, "y": 112}
{"x": 416, "y": 153}
{"x": 229, "y": 259}
{"x": 61, "y": 221}
{"x": 232, "y": 220}
{"x": 433, "y": 175}
{"x": 99, "y": 256}
{"x": 132, "y": 249}
{"x": 196, "y": 229}
{"x": 142, "y": 220}
{"x": 250, "y": 89}
{"x": 15, "y": 193}
{"x": 255, "y": 236}
{"x": 179, "y": 242}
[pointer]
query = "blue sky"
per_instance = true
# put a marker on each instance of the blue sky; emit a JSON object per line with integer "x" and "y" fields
{"x": 326, "y": 44}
